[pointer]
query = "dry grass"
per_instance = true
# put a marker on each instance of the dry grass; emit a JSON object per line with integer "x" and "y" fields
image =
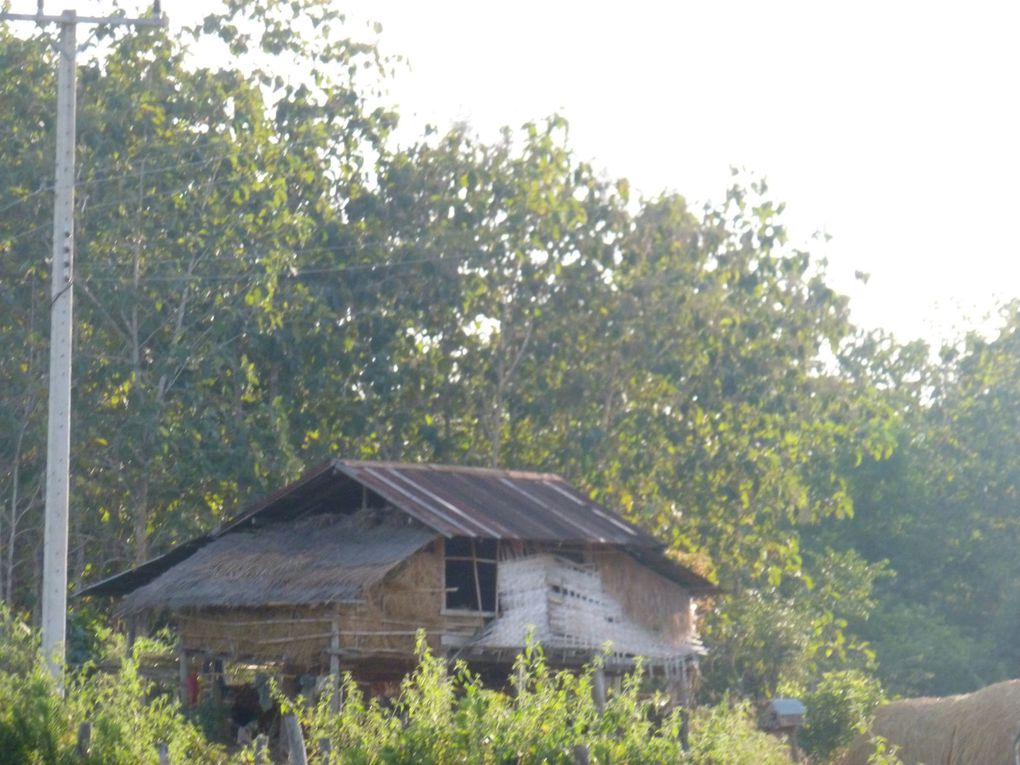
{"x": 320, "y": 559}
{"x": 978, "y": 728}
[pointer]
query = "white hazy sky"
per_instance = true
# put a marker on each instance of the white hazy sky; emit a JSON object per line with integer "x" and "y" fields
{"x": 892, "y": 126}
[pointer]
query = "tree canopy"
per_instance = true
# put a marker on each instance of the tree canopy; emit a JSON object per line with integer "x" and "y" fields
{"x": 265, "y": 279}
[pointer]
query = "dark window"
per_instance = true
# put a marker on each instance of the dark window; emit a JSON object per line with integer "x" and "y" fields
{"x": 471, "y": 574}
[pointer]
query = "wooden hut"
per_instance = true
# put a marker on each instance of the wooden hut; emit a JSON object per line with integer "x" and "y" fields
{"x": 344, "y": 566}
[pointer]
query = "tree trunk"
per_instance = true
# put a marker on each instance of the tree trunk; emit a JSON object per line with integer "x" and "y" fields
{"x": 141, "y": 519}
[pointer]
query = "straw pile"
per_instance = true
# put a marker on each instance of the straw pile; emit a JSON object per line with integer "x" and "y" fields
{"x": 978, "y": 728}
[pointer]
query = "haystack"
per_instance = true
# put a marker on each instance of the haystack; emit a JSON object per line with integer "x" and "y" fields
{"x": 979, "y": 728}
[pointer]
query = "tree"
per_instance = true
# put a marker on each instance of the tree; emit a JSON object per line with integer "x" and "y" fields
{"x": 197, "y": 190}
{"x": 25, "y": 222}
{"x": 941, "y": 511}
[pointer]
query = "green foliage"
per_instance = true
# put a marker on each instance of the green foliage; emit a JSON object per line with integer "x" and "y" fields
{"x": 839, "y": 708}
{"x": 442, "y": 716}
{"x": 445, "y": 716}
{"x": 129, "y": 719}
{"x": 760, "y": 639}
{"x": 264, "y": 280}
{"x": 726, "y": 735}
{"x": 883, "y": 753}
{"x": 33, "y": 727}
{"x": 939, "y": 512}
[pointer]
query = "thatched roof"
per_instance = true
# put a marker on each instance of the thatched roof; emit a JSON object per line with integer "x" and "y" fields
{"x": 324, "y": 558}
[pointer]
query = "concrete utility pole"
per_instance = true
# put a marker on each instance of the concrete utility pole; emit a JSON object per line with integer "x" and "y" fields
{"x": 54, "y": 595}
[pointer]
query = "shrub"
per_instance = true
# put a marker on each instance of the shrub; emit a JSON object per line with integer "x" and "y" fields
{"x": 445, "y": 716}
{"x": 38, "y": 725}
{"x": 838, "y": 709}
{"x": 726, "y": 734}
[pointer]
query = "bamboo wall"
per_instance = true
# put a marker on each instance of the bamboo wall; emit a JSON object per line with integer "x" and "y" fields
{"x": 648, "y": 599}
{"x": 383, "y": 624}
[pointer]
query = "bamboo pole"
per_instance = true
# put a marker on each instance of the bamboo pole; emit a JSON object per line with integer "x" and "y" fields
{"x": 336, "y": 702}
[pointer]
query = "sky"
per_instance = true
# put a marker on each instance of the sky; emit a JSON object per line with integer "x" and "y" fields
{"x": 892, "y": 127}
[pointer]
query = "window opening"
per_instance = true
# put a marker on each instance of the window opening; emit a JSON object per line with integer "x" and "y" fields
{"x": 471, "y": 574}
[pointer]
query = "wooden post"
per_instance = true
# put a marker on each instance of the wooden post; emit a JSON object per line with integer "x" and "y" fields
{"x": 217, "y": 680}
{"x": 182, "y": 674}
{"x": 685, "y": 703}
{"x": 84, "y": 739}
{"x": 132, "y": 633}
{"x": 334, "y": 667}
{"x": 163, "y": 752}
{"x": 325, "y": 749}
{"x": 581, "y": 755}
{"x": 295, "y": 741}
{"x": 599, "y": 689}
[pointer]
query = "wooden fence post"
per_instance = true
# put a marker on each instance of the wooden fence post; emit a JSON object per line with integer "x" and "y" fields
{"x": 599, "y": 689}
{"x": 163, "y": 752}
{"x": 84, "y": 739}
{"x": 182, "y": 675}
{"x": 685, "y": 702}
{"x": 334, "y": 667}
{"x": 295, "y": 741}
{"x": 325, "y": 749}
{"x": 581, "y": 755}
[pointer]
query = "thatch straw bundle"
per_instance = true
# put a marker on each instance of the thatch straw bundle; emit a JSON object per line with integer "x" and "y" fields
{"x": 321, "y": 559}
{"x": 978, "y": 728}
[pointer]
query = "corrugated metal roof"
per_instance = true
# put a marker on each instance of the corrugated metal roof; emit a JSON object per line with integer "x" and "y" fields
{"x": 319, "y": 559}
{"x": 498, "y": 504}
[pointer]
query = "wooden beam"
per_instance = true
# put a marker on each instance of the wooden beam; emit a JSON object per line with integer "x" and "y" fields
{"x": 182, "y": 675}
{"x": 599, "y": 689}
{"x": 334, "y": 667}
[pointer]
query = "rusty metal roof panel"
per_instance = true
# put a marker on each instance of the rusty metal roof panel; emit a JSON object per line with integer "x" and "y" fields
{"x": 501, "y": 504}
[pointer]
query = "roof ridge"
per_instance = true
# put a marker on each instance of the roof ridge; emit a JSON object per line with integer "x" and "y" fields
{"x": 448, "y": 468}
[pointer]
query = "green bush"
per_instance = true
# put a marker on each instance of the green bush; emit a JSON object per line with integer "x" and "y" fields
{"x": 129, "y": 719}
{"x": 33, "y": 724}
{"x": 838, "y": 709}
{"x": 445, "y": 716}
{"x": 727, "y": 735}
{"x": 39, "y": 726}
